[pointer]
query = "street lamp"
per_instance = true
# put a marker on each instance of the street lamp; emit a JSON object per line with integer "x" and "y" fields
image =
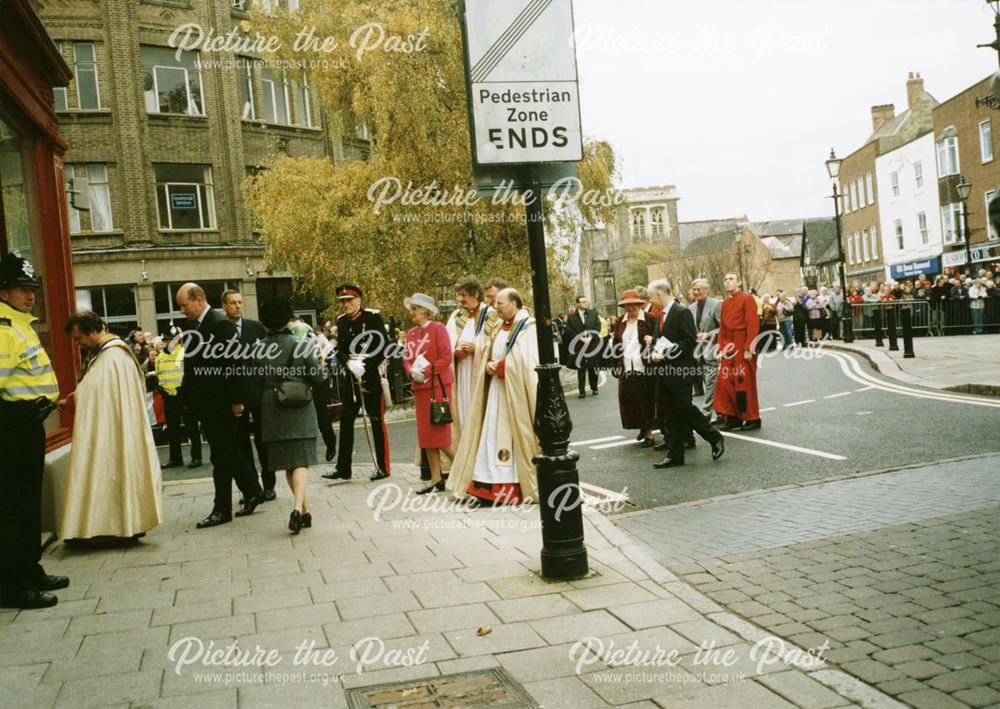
{"x": 964, "y": 189}
{"x": 833, "y": 168}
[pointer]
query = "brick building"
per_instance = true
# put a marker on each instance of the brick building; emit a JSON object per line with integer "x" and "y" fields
{"x": 858, "y": 184}
{"x": 965, "y": 146}
{"x": 159, "y": 144}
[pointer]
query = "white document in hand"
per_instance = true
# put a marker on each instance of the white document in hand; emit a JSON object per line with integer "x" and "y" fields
{"x": 421, "y": 363}
{"x": 663, "y": 345}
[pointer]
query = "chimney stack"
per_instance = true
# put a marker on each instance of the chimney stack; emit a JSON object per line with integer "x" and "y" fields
{"x": 914, "y": 89}
{"x": 881, "y": 114}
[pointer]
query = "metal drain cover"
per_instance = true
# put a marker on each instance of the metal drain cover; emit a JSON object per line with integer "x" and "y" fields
{"x": 484, "y": 688}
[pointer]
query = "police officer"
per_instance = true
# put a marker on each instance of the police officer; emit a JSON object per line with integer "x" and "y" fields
{"x": 169, "y": 367}
{"x": 28, "y": 392}
{"x": 361, "y": 343}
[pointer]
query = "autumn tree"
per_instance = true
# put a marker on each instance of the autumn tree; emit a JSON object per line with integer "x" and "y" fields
{"x": 405, "y": 219}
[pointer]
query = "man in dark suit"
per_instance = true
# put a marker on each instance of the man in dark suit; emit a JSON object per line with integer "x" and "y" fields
{"x": 250, "y": 332}
{"x": 672, "y": 355}
{"x": 215, "y": 393}
{"x": 583, "y": 330}
{"x": 361, "y": 343}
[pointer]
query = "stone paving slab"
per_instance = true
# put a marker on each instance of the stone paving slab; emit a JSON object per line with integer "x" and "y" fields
{"x": 358, "y": 601}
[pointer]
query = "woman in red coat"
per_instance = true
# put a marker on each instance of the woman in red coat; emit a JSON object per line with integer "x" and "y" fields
{"x": 427, "y": 362}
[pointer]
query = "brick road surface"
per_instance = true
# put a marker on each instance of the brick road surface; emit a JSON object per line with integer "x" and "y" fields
{"x": 911, "y": 608}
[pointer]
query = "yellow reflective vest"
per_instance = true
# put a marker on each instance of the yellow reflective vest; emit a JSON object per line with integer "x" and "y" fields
{"x": 170, "y": 370}
{"x": 25, "y": 368}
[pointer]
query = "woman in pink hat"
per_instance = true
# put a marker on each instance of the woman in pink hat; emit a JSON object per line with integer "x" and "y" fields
{"x": 635, "y": 389}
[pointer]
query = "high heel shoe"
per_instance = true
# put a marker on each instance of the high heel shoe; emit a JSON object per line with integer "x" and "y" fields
{"x": 439, "y": 486}
{"x": 295, "y": 522}
{"x": 307, "y": 520}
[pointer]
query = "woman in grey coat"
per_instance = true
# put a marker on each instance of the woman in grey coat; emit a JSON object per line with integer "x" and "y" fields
{"x": 289, "y": 433}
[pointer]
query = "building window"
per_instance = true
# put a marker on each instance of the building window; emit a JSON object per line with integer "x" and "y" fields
{"x": 275, "y": 99}
{"x": 61, "y": 98}
{"x": 990, "y": 231}
{"x": 951, "y": 222}
{"x": 918, "y": 174}
{"x": 843, "y": 200}
{"x": 638, "y": 224}
{"x": 245, "y": 67}
{"x": 116, "y": 304}
{"x": 85, "y": 60}
{"x": 167, "y": 313}
{"x": 269, "y": 6}
{"x": 894, "y": 180}
{"x": 304, "y": 112}
{"x": 874, "y": 237}
{"x": 871, "y": 188}
{"x": 171, "y": 85}
{"x": 947, "y": 155}
{"x": 898, "y": 226}
{"x": 861, "y": 193}
{"x": 986, "y": 141}
{"x": 656, "y": 221}
{"x": 922, "y": 227}
{"x": 94, "y": 179}
{"x": 850, "y": 248}
{"x": 184, "y": 197}
{"x": 864, "y": 245}
{"x": 854, "y": 196}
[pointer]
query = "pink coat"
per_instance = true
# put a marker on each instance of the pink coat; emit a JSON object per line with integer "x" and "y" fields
{"x": 435, "y": 345}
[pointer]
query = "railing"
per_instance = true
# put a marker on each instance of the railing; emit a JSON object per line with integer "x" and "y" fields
{"x": 947, "y": 317}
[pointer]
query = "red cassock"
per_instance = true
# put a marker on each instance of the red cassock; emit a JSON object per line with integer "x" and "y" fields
{"x": 736, "y": 387}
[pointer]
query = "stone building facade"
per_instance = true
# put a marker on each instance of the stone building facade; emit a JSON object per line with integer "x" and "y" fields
{"x": 160, "y": 142}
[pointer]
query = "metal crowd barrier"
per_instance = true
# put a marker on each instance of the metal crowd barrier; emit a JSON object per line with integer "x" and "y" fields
{"x": 948, "y": 317}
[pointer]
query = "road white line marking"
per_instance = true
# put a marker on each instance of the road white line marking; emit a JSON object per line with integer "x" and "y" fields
{"x": 769, "y": 408}
{"x": 799, "y": 403}
{"x": 600, "y": 495}
{"x": 596, "y": 440}
{"x": 836, "y": 396}
{"x": 619, "y": 444}
{"x": 786, "y": 446}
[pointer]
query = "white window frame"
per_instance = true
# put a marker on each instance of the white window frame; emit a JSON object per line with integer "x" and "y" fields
{"x": 894, "y": 183}
{"x": 656, "y": 219}
{"x": 873, "y": 235}
{"x": 897, "y": 227}
{"x": 990, "y": 232}
{"x": 986, "y": 146}
{"x": 870, "y": 184}
{"x": 922, "y": 227}
{"x": 269, "y": 85}
{"x": 209, "y": 186}
{"x": 246, "y": 64}
{"x": 861, "y": 193}
{"x": 58, "y": 91}
{"x": 638, "y": 224}
{"x": 98, "y": 190}
{"x": 854, "y": 195}
{"x": 77, "y": 63}
{"x": 947, "y": 155}
{"x": 187, "y": 86}
{"x": 918, "y": 174}
{"x": 306, "y": 107}
{"x": 951, "y": 222}
{"x": 850, "y": 249}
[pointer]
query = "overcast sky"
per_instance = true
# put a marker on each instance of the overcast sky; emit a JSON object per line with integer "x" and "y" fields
{"x": 738, "y": 102}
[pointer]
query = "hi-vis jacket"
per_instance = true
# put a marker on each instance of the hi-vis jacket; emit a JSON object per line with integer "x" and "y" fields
{"x": 25, "y": 368}
{"x": 170, "y": 370}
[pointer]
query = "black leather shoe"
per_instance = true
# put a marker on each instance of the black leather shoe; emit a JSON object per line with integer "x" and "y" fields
{"x": 750, "y": 425}
{"x": 28, "y": 599}
{"x": 640, "y": 436}
{"x": 270, "y": 495}
{"x": 172, "y": 464}
{"x": 196, "y": 463}
{"x": 732, "y": 424}
{"x": 214, "y": 520}
{"x": 295, "y": 522}
{"x": 646, "y": 443}
{"x": 307, "y": 520}
{"x": 439, "y": 486}
{"x": 718, "y": 422}
{"x": 594, "y": 392}
{"x": 662, "y": 445}
{"x": 379, "y": 475}
{"x": 331, "y": 452}
{"x": 47, "y": 582}
{"x": 718, "y": 448}
{"x": 250, "y": 505}
{"x": 583, "y": 395}
{"x": 668, "y": 462}
{"x": 336, "y": 475}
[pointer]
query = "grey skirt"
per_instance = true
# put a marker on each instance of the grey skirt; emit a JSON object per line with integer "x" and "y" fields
{"x": 293, "y": 453}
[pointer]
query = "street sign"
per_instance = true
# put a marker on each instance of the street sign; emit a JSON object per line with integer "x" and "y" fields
{"x": 521, "y": 80}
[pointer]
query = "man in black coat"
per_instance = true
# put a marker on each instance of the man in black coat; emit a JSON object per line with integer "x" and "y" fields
{"x": 361, "y": 344}
{"x": 583, "y": 332}
{"x": 249, "y": 333}
{"x": 672, "y": 356}
{"x": 215, "y": 391}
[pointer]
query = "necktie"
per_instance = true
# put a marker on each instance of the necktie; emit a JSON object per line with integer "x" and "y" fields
{"x": 701, "y": 310}
{"x": 239, "y": 329}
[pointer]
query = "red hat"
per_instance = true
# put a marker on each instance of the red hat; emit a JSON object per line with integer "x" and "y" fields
{"x": 631, "y": 297}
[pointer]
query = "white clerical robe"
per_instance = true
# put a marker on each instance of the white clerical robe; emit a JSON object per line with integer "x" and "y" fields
{"x": 113, "y": 487}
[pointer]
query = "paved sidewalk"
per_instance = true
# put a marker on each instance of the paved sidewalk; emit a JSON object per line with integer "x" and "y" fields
{"x": 962, "y": 363}
{"x": 899, "y": 572}
{"x": 435, "y": 593}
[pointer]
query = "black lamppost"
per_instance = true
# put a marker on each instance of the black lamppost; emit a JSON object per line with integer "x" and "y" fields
{"x": 846, "y": 316}
{"x": 964, "y": 189}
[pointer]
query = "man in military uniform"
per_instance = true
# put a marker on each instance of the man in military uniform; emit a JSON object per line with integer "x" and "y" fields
{"x": 28, "y": 392}
{"x": 361, "y": 343}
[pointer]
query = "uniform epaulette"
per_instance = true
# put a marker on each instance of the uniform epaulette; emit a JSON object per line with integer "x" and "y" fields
{"x": 372, "y": 310}
{"x": 5, "y": 322}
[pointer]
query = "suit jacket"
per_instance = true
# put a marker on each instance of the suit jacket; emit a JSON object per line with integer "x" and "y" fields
{"x": 210, "y": 381}
{"x": 575, "y": 327}
{"x": 365, "y": 335}
{"x": 680, "y": 367}
{"x": 252, "y": 331}
{"x": 709, "y": 323}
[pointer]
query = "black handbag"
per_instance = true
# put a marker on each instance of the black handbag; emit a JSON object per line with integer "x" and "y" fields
{"x": 291, "y": 393}
{"x": 440, "y": 410}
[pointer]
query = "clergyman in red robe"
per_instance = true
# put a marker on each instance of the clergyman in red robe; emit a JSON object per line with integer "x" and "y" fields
{"x": 736, "y": 389}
